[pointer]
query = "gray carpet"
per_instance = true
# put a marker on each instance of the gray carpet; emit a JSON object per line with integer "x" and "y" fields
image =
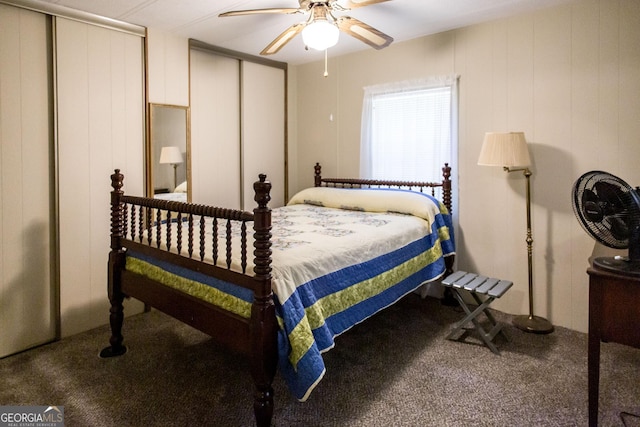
{"x": 395, "y": 369}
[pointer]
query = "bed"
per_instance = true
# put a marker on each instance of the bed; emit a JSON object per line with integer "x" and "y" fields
{"x": 335, "y": 255}
{"x": 179, "y": 194}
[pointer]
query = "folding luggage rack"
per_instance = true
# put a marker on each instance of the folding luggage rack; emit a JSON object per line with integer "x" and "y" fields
{"x": 476, "y": 285}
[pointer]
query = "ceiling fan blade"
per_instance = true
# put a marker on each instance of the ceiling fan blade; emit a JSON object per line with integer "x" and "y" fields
{"x": 259, "y": 11}
{"x": 363, "y": 32}
{"x": 282, "y": 39}
{"x": 353, "y": 4}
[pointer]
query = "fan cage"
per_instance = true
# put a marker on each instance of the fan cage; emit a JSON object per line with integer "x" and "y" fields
{"x": 613, "y": 219}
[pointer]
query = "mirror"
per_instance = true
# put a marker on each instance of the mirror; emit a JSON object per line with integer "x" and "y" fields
{"x": 168, "y": 158}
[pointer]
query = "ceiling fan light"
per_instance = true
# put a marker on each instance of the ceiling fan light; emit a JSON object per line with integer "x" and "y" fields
{"x": 320, "y": 35}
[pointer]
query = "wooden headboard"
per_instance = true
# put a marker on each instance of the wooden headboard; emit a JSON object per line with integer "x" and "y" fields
{"x": 444, "y": 186}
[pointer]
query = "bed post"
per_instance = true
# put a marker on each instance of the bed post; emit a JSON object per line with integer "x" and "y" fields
{"x": 448, "y": 298}
{"x": 446, "y": 186}
{"x": 263, "y": 326}
{"x": 317, "y": 178}
{"x": 116, "y": 264}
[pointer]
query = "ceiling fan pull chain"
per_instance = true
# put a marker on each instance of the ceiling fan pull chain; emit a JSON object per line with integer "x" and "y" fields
{"x": 326, "y": 73}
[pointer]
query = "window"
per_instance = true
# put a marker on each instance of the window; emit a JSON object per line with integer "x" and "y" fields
{"x": 409, "y": 129}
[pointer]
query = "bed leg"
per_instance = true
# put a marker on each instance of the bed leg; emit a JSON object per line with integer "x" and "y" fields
{"x": 116, "y": 312}
{"x": 263, "y": 407}
{"x": 264, "y": 361}
{"x": 448, "y": 298}
{"x": 264, "y": 358}
{"x": 116, "y": 319}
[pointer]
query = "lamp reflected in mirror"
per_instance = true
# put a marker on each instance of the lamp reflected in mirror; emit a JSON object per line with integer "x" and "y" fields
{"x": 172, "y": 156}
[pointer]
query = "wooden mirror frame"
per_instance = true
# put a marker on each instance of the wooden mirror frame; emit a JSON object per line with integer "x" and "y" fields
{"x": 157, "y": 138}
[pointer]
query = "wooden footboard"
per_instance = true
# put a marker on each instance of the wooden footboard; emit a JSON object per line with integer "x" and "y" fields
{"x": 154, "y": 228}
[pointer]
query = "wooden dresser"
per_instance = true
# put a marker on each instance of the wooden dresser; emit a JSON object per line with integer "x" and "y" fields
{"x": 614, "y": 316}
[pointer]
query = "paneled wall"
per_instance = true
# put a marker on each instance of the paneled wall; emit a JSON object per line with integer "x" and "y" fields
{"x": 215, "y": 129}
{"x": 100, "y": 109}
{"x": 167, "y": 68}
{"x": 72, "y": 98}
{"x": 566, "y": 76}
{"x": 263, "y": 119}
{"x": 27, "y": 259}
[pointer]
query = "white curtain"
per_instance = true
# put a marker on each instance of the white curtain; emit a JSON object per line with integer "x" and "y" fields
{"x": 370, "y": 92}
{"x": 433, "y": 161}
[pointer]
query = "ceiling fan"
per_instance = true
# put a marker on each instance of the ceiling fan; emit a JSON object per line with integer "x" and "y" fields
{"x": 322, "y": 28}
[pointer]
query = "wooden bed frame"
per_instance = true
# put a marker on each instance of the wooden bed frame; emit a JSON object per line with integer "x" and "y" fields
{"x": 131, "y": 219}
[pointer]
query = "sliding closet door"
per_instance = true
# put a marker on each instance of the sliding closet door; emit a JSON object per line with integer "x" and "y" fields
{"x": 100, "y": 127}
{"x": 215, "y": 129}
{"x": 263, "y": 125}
{"x": 27, "y": 296}
{"x": 238, "y": 120}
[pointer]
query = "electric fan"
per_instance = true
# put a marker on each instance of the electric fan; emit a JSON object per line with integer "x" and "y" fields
{"x": 609, "y": 210}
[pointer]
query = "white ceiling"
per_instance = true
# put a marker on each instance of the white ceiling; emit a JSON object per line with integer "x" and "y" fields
{"x": 198, "y": 19}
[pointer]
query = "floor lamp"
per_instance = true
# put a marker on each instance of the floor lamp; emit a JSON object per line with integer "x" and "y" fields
{"x": 510, "y": 151}
{"x": 171, "y": 155}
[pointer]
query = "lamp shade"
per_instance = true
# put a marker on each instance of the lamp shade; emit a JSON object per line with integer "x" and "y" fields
{"x": 320, "y": 34}
{"x": 504, "y": 149}
{"x": 170, "y": 155}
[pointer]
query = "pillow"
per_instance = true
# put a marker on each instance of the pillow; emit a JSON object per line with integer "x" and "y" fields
{"x": 182, "y": 188}
{"x": 372, "y": 200}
